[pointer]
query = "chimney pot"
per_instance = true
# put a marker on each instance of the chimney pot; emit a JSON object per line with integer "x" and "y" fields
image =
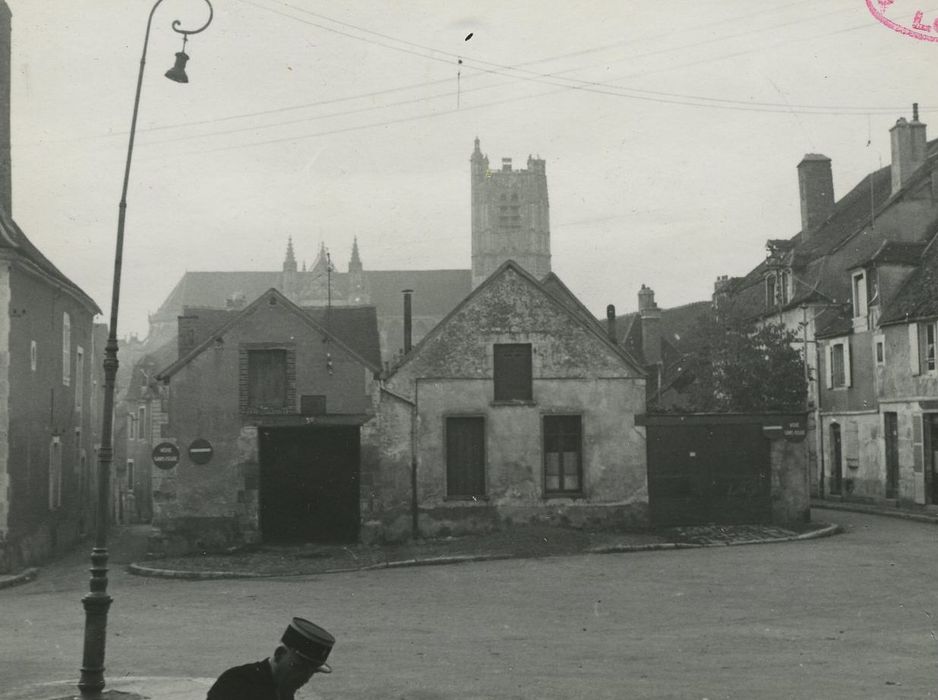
{"x": 408, "y": 320}
{"x": 611, "y": 322}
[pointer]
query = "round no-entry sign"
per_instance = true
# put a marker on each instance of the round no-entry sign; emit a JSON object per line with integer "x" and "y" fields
{"x": 165, "y": 455}
{"x": 200, "y": 451}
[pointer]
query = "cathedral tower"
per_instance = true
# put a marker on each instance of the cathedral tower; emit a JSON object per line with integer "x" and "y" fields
{"x": 510, "y": 217}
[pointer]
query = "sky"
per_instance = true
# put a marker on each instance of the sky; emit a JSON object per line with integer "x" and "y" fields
{"x": 671, "y": 131}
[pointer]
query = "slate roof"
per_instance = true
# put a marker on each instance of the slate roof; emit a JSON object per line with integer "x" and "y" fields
{"x": 917, "y": 298}
{"x": 235, "y": 316}
{"x": 356, "y": 326}
{"x": 847, "y": 225}
{"x": 898, "y": 253}
{"x": 436, "y": 292}
{"x": 12, "y": 238}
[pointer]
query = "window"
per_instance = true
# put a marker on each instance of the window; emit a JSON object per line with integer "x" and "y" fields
{"x": 563, "y": 454}
{"x": 860, "y": 298}
{"x": 66, "y": 349}
{"x": 142, "y": 428}
{"x": 770, "y": 291}
{"x": 55, "y": 473}
{"x": 512, "y": 365}
{"x": 267, "y": 380}
{"x": 131, "y": 426}
{"x": 784, "y": 287}
{"x": 928, "y": 348}
{"x": 838, "y": 364}
{"x": 465, "y": 457}
{"x": 79, "y": 376}
{"x": 33, "y": 355}
{"x": 509, "y": 213}
{"x": 130, "y": 474}
{"x": 880, "y": 352}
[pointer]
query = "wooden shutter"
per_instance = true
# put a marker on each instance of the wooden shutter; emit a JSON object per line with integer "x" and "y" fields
{"x": 829, "y": 370}
{"x": 512, "y": 372}
{"x": 847, "y": 366}
{"x": 913, "y": 349}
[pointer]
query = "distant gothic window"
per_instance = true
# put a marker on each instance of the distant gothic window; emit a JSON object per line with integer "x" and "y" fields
{"x": 509, "y": 213}
{"x": 512, "y": 372}
{"x": 66, "y": 349}
{"x": 130, "y": 474}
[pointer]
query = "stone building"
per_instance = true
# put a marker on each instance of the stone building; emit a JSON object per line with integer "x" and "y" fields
{"x": 47, "y": 352}
{"x": 264, "y": 405}
{"x": 518, "y": 407}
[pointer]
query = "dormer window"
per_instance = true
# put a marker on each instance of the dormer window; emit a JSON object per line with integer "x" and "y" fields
{"x": 777, "y": 289}
{"x": 860, "y": 298}
{"x": 771, "y": 291}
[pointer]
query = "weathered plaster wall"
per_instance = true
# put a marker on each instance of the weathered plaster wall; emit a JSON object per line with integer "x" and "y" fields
{"x": 791, "y": 499}
{"x": 216, "y": 504}
{"x": 450, "y": 374}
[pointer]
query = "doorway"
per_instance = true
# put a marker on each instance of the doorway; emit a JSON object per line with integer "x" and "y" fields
{"x": 309, "y": 484}
{"x": 931, "y": 457}
{"x": 891, "y": 430}
{"x": 837, "y": 462}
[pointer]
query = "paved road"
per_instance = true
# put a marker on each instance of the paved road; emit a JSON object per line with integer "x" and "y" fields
{"x": 852, "y": 616}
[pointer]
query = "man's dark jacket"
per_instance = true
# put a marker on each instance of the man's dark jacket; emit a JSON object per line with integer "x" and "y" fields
{"x": 249, "y": 682}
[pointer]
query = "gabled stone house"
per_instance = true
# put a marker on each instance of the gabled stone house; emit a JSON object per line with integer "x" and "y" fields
{"x": 516, "y": 408}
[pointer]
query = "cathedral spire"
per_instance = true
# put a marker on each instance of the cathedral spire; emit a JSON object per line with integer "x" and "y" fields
{"x": 289, "y": 262}
{"x": 355, "y": 264}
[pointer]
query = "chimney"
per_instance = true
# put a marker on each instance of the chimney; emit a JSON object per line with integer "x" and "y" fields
{"x": 816, "y": 190}
{"x": 651, "y": 321}
{"x": 908, "y": 149}
{"x": 408, "y": 317}
{"x": 506, "y": 165}
{"x": 611, "y": 322}
{"x": 6, "y": 167}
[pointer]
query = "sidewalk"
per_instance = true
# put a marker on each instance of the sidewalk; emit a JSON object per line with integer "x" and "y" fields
{"x": 925, "y": 514}
{"x": 515, "y": 543}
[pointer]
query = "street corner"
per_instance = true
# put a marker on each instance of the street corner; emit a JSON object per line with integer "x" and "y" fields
{"x": 25, "y": 576}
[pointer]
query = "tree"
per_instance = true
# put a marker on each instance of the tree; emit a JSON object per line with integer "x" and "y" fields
{"x": 740, "y": 367}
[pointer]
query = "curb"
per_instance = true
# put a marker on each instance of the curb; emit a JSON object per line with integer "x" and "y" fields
{"x": 140, "y": 570}
{"x": 23, "y": 577}
{"x": 874, "y": 510}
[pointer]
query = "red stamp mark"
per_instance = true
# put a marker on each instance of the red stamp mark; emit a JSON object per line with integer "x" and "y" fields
{"x": 921, "y": 26}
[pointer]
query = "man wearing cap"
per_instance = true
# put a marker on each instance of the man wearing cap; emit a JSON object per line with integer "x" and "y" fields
{"x": 302, "y": 652}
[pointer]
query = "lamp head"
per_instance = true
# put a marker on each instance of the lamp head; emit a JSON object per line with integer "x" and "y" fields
{"x": 178, "y": 72}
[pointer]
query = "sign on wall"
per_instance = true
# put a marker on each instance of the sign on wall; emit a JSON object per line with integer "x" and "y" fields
{"x": 201, "y": 451}
{"x": 165, "y": 455}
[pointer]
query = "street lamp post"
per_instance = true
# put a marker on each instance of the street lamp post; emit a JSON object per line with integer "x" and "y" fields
{"x": 97, "y": 602}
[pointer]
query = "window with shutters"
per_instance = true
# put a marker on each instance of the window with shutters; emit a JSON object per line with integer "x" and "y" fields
{"x": 66, "y": 349}
{"x": 267, "y": 380}
{"x": 512, "y": 372}
{"x": 927, "y": 334}
{"x": 563, "y": 455}
{"x": 838, "y": 364}
{"x": 79, "y": 377}
{"x": 465, "y": 457}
